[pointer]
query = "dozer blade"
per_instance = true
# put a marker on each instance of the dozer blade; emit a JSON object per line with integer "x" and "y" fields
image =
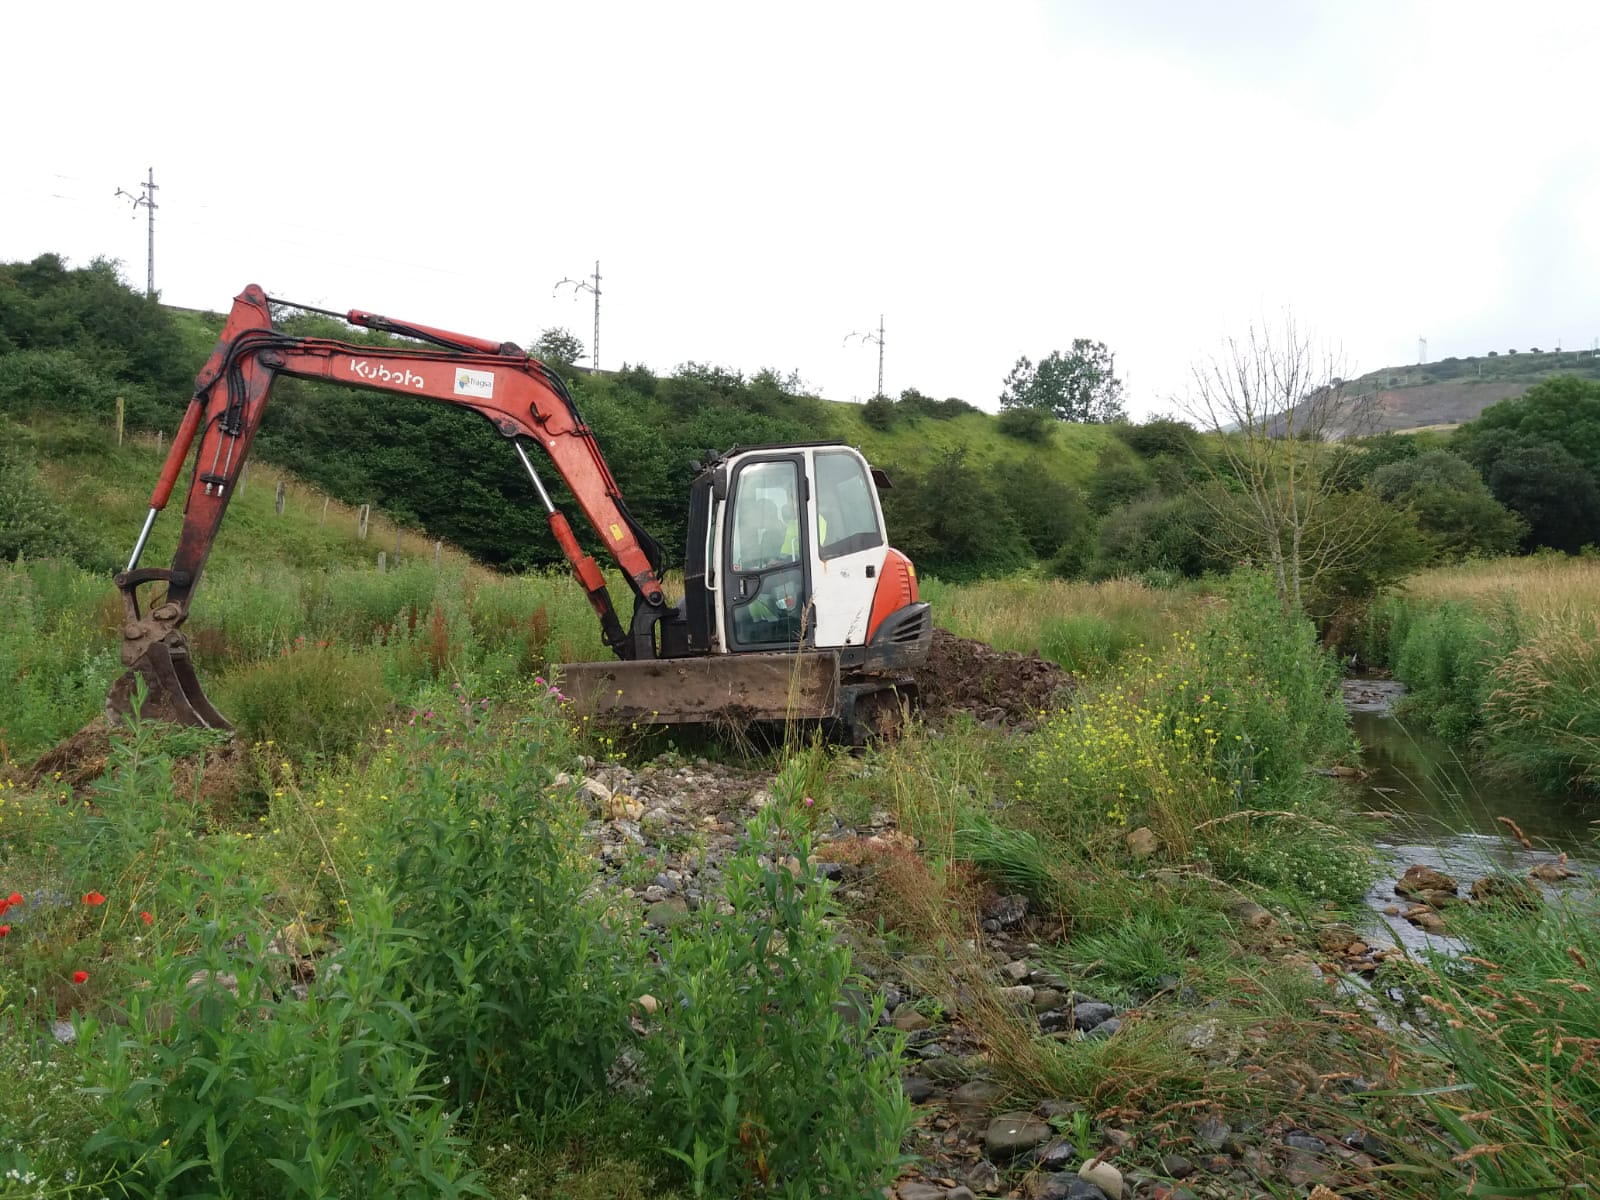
{"x": 172, "y": 689}
{"x": 710, "y": 690}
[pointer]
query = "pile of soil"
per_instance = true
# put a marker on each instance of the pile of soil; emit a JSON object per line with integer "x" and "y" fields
{"x": 996, "y": 687}
{"x": 218, "y": 774}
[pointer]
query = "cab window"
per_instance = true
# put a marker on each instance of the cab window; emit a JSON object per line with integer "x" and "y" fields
{"x": 847, "y": 519}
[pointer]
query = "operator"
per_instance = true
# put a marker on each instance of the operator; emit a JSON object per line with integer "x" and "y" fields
{"x": 791, "y": 533}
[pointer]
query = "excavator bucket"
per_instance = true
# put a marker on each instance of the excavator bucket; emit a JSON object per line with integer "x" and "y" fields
{"x": 172, "y": 689}
{"x": 717, "y": 688}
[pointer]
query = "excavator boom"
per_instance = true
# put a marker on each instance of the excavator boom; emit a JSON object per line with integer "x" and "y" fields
{"x": 519, "y": 395}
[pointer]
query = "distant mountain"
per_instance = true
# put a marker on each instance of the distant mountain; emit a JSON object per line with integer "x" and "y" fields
{"x": 1442, "y": 395}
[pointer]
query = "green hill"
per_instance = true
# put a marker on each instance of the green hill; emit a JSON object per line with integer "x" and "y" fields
{"x": 1452, "y": 391}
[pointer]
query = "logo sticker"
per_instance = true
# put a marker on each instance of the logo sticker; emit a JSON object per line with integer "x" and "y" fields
{"x": 382, "y": 374}
{"x": 475, "y": 383}
{"x": 616, "y": 533}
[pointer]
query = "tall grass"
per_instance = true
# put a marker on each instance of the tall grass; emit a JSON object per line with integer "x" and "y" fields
{"x": 1504, "y": 654}
{"x": 1086, "y": 627}
{"x": 1496, "y": 1084}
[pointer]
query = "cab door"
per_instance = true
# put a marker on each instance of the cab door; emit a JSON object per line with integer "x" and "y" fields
{"x": 766, "y": 571}
{"x": 849, "y": 548}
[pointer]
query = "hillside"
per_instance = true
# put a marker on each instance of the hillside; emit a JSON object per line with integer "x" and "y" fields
{"x": 1449, "y": 392}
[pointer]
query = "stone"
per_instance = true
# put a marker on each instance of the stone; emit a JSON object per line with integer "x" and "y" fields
{"x": 1143, "y": 842}
{"x": 1425, "y": 918}
{"x": 1176, "y": 1166}
{"x": 1212, "y": 1133}
{"x": 960, "y": 1193}
{"x": 1104, "y": 1030}
{"x": 1548, "y": 873}
{"x": 983, "y": 1177}
{"x": 909, "y": 1020}
{"x": 975, "y": 1095}
{"x": 1103, "y": 1176}
{"x": 1007, "y": 911}
{"x": 1498, "y": 889}
{"x": 666, "y": 914}
{"x": 1020, "y": 996}
{"x": 1055, "y": 1155}
{"x": 1304, "y": 1141}
{"x": 1333, "y": 939}
{"x": 1250, "y": 914}
{"x": 1420, "y": 879}
{"x": 1014, "y": 1133}
{"x": 1086, "y": 1015}
{"x": 1016, "y": 971}
{"x": 920, "y": 1191}
{"x": 1045, "y": 999}
{"x": 917, "y": 1088}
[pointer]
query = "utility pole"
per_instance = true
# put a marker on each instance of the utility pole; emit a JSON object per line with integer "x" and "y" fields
{"x": 869, "y": 336}
{"x": 148, "y": 201}
{"x": 592, "y": 284}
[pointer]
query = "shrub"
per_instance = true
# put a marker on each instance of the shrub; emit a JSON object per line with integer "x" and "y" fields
{"x": 312, "y": 698}
{"x": 524, "y": 976}
{"x": 769, "y": 1072}
{"x": 1033, "y": 425}
{"x": 206, "y": 1073}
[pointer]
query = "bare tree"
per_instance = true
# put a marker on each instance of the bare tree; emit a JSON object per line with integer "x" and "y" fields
{"x": 1277, "y": 403}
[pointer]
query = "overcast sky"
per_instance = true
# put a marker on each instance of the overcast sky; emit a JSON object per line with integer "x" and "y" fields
{"x": 759, "y": 180}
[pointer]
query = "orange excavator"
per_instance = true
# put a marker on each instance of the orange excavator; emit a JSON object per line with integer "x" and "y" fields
{"x": 794, "y": 605}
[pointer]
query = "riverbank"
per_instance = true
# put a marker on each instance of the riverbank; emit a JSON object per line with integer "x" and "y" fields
{"x": 1112, "y": 935}
{"x": 1502, "y": 659}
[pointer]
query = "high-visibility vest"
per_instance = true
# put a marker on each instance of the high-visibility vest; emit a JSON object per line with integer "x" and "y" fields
{"x": 791, "y": 536}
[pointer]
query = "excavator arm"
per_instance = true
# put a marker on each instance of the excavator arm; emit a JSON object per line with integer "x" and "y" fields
{"x": 519, "y": 395}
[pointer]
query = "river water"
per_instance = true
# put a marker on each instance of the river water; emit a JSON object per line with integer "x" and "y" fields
{"x": 1438, "y": 811}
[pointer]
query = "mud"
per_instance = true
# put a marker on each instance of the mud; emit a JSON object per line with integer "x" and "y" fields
{"x": 995, "y": 687}
{"x": 216, "y": 775}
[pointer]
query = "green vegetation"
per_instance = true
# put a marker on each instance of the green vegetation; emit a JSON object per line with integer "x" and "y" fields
{"x": 380, "y": 944}
{"x": 1504, "y": 654}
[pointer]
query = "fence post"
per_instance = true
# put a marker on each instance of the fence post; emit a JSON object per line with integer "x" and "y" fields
{"x": 438, "y": 550}
{"x": 324, "y": 519}
{"x": 383, "y": 565}
{"x": 119, "y": 420}
{"x": 159, "y": 436}
{"x": 361, "y": 521}
{"x": 278, "y": 502}
{"x": 244, "y": 474}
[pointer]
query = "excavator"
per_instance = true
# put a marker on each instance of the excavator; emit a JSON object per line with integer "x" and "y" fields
{"x": 794, "y": 605}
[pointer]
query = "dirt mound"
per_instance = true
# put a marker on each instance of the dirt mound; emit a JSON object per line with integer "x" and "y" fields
{"x": 997, "y": 687}
{"x": 79, "y": 760}
{"x": 215, "y": 775}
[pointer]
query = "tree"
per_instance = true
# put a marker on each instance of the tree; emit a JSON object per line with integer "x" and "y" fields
{"x": 1452, "y": 504}
{"x": 1079, "y": 386}
{"x": 558, "y": 346}
{"x": 1273, "y": 404}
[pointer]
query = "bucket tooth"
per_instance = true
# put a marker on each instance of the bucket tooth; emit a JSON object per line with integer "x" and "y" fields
{"x": 172, "y": 690}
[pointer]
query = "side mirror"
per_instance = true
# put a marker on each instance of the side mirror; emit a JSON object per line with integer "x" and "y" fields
{"x": 719, "y": 484}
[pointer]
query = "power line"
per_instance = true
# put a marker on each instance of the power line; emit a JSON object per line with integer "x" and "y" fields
{"x": 869, "y": 336}
{"x": 147, "y": 199}
{"x": 592, "y": 284}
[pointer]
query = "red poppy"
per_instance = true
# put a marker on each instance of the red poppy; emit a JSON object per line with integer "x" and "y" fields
{"x": 4, "y": 904}
{"x": 147, "y": 918}
{"x": 4, "y": 929}
{"x": 93, "y": 898}
{"x": 80, "y": 977}
{"x": 14, "y": 898}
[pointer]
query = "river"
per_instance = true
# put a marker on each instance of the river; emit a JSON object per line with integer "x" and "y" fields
{"x": 1439, "y": 811}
